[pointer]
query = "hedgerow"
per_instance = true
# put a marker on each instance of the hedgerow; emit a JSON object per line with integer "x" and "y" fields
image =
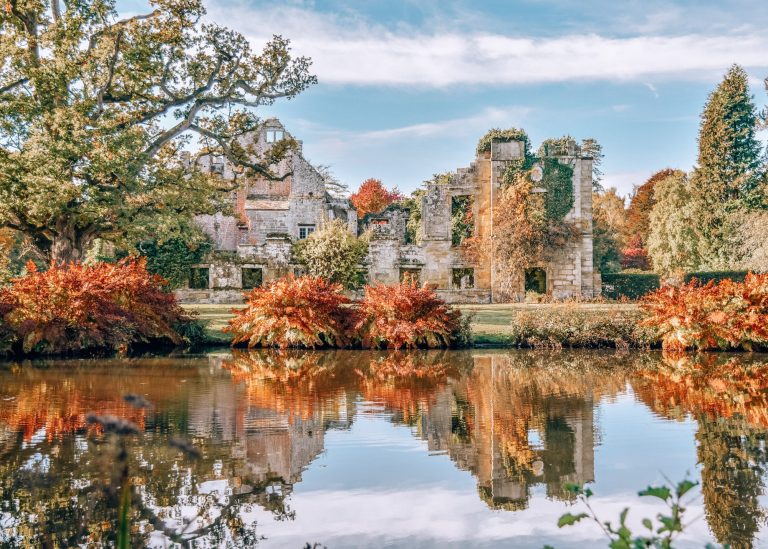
{"x": 571, "y": 326}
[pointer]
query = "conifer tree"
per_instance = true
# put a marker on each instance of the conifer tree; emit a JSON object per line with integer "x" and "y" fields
{"x": 728, "y": 174}
{"x": 729, "y": 152}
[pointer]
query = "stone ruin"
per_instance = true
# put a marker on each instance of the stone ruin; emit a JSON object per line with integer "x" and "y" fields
{"x": 253, "y": 246}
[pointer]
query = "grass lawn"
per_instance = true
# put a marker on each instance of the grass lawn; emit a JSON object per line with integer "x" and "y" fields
{"x": 490, "y": 323}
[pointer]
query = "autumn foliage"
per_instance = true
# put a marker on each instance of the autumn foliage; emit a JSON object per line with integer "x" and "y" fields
{"x": 373, "y": 197}
{"x": 635, "y": 255}
{"x": 305, "y": 311}
{"x": 76, "y": 308}
{"x": 406, "y": 315}
{"x": 727, "y": 315}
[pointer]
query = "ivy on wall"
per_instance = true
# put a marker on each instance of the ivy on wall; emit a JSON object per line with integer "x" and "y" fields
{"x": 462, "y": 219}
{"x": 558, "y": 184}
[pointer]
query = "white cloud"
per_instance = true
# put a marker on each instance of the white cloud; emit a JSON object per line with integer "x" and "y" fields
{"x": 349, "y": 50}
{"x": 329, "y": 140}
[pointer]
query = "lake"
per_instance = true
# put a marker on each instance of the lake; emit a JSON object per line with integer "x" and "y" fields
{"x": 368, "y": 449}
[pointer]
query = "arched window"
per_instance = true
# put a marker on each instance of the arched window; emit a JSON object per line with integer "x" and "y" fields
{"x": 536, "y": 280}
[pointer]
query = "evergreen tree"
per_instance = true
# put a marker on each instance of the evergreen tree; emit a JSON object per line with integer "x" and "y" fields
{"x": 729, "y": 152}
{"x": 728, "y": 175}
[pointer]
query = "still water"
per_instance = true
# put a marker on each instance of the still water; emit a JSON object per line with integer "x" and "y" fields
{"x": 361, "y": 449}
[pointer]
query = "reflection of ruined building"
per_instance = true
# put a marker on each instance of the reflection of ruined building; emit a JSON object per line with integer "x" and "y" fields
{"x": 491, "y": 416}
{"x": 512, "y": 435}
{"x": 254, "y": 244}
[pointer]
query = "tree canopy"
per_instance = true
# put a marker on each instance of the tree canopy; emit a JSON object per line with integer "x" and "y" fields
{"x": 95, "y": 111}
{"x": 373, "y": 197}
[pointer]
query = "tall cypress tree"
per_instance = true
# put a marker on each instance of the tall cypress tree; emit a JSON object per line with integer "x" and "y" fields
{"x": 728, "y": 173}
{"x": 729, "y": 152}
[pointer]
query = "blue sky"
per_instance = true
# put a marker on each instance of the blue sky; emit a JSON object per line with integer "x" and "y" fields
{"x": 406, "y": 88}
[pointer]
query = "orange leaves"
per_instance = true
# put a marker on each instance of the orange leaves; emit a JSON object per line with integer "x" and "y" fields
{"x": 406, "y": 315}
{"x": 373, "y": 197}
{"x": 304, "y": 311}
{"x": 728, "y": 315}
{"x": 707, "y": 384}
{"x": 75, "y": 308}
{"x": 311, "y": 312}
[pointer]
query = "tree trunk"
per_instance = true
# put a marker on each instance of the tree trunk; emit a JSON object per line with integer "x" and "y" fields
{"x": 70, "y": 243}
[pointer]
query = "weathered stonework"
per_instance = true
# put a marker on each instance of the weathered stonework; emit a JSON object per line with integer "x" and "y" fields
{"x": 270, "y": 215}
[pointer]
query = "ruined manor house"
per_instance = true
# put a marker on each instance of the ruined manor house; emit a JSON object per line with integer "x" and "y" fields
{"x": 253, "y": 245}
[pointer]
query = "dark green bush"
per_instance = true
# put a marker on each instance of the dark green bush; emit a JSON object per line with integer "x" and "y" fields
{"x": 705, "y": 276}
{"x": 629, "y": 285}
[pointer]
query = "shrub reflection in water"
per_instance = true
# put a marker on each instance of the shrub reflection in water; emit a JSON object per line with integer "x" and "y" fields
{"x": 515, "y": 420}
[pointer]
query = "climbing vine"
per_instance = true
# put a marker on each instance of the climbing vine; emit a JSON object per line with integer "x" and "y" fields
{"x": 558, "y": 184}
{"x": 462, "y": 219}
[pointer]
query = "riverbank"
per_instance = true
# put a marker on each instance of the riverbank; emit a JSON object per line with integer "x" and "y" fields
{"x": 491, "y": 324}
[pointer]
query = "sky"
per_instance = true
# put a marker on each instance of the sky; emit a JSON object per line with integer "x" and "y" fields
{"x": 407, "y": 87}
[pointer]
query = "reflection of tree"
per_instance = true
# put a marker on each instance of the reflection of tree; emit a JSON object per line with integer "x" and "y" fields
{"x": 59, "y": 486}
{"x": 729, "y": 397}
{"x": 733, "y": 461}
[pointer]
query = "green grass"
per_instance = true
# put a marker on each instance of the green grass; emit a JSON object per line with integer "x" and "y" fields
{"x": 490, "y": 323}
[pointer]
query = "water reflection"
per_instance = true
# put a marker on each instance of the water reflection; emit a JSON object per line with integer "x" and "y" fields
{"x": 728, "y": 396}
{"x": 521, "y": 423}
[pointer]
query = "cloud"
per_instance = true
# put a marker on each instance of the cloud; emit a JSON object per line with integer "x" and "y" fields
{"x": 654, "y": 90}
{"x": 332, "y": 140}
{"x": 349, "y": 50}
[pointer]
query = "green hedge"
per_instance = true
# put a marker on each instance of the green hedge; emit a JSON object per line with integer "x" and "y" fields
{"x": 636, "y": 285}
{"x": 629, "y": 285}
{"x": 717, "y": 276}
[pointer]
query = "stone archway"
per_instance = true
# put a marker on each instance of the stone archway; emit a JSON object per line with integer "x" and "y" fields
{"x": 536, "y": 280}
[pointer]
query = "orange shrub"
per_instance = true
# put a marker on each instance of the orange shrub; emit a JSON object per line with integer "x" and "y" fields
{"x": 727, "y": 315}
{"x": 75, "y": 308}
{"x": 304, "y": 311}
{"x": 406, "y": 315}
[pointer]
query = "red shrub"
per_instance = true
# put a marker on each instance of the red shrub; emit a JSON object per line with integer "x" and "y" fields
{"x": 728, "y": 315}
{"x": 635, "y": 256}
{"x": 293, "y": 312}
{"x": 406, "y": 315}
{"x": 76, "y": 307}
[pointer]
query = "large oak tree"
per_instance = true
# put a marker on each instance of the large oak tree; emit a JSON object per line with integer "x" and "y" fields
{"x": 95, "y": 111}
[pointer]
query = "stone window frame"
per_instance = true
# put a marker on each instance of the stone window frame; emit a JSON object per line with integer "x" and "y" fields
{"x": 273, "y": 135}
{"x": 547, "y": 278}
{"x": 243, "y": 268}
{"x": 307, "y": 228}
{"x": 191, "y": 278}
{"x": 403, "y": 271}
{"x": 454, "y": 269}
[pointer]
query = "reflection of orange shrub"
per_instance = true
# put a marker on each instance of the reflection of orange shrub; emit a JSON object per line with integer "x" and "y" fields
{"x": 402, "y": 382}
{"x": 728, "y": 315}
{"x": 301, "y": 384}
{"x": 79, "y": 307}
{"x": 406, "y": 315}
{"x": 303, "y": 311}
{"x": 34, "y": 409}
{"x": 707, "y": 385}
